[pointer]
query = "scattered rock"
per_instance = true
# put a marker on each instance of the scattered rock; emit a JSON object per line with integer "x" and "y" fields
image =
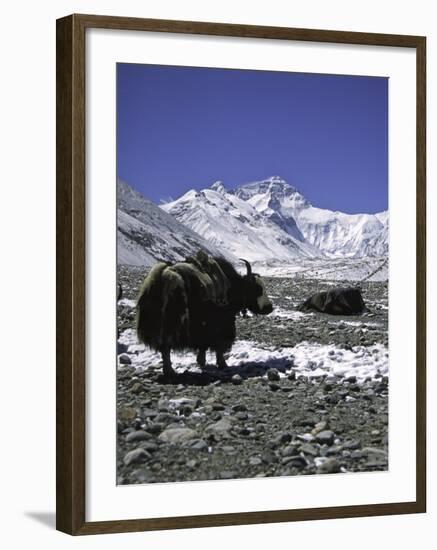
{"x": 273, "y": 375}
{"x": 326, "y": 437}
{"x": 309, "y": 449}
{"x": 289, "y": 450}
{"x": 295, "y": 461}
{"x": 220, "y": 429}
{"x": 236, "y": 379}
{"x": 177, "y": 435}
{"x": 150, "y": 446}
{"x": 154, "y": 428}
{"x": 305, "y": 437}
{"x": 124, "y": 359}
{"x": 329, "y": 466}
{"x": 239, "y": 424}
{"x": 307, "y": 421}
{"x": 196, "y": 444}
{"x": 351, "y": 445}
{"x": 268, "y": 456}
{"x": 281, "y": 439}
{"x": 319, "y": 427}
{"x": 127, "y": 414}
{"x": 227, "y": 474}
{"x": 358, "y": 454}
{"x": 374, "y": 451}
{"x": 139, "y": 435}
{"x": 137, "y": 387}
{"x": 239, "y": 407}
{"x": 135, "y": 456}
{"x": 182, "y": 402}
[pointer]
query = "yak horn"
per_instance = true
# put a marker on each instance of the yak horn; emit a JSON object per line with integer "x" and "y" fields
{"x": 248, "y": 266}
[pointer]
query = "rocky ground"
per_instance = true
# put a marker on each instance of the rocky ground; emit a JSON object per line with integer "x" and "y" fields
{"x": 272, "y": 414}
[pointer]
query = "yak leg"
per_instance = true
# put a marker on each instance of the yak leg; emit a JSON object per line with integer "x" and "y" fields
{"x": 166, "y": 363}
{"x": 201, "y": 358}
{"x": 220, "y": 358}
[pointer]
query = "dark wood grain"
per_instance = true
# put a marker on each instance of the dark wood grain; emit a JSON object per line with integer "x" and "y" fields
{"x": 421, "y": 274}
{"x": 247, "y": 31}
{"x": 64, "y": 443}
{"x": 70, "y": 278}
{"x": 71, "y": 273}
{"x": 247, "y": 518}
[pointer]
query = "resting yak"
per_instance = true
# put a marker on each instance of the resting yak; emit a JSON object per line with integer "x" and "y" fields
{"x": 191, "y": 305}
{"x": 336, "y": 301}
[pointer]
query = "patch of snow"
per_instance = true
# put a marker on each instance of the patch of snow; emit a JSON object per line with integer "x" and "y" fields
{"x": 355, "y": 323}
{"x": 306, "y": 359}
{"x": 127, "y": 302}
{"x": 289, "y": 314}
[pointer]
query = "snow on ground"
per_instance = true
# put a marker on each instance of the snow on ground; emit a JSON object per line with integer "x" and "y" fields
{"x": 281, "y": 313}
{"x": 329, "y": 270}
{"x": 127, "y": 302}
{"x": 305, "y": 359}
{"x": 288, "y": 314}
{"x": 354, "y": 323}
{"x": 377, "y": 305}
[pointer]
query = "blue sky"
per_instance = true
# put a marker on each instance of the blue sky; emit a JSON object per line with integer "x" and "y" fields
{"x": 180, "y": 128}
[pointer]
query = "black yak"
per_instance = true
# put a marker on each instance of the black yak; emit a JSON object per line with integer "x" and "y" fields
{"x": 192, "y": 305}
{"x": 336, "y": 301}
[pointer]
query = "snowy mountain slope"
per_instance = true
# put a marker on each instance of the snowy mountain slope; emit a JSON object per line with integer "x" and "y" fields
{"x": 268, "y": 222}
{"x": 235, "y": 225}
{"x": 334, "y": 234}
{"x": 146, "y": 234}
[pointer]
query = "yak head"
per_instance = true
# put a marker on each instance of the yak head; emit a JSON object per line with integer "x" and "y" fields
{"x": 256, "y": 298}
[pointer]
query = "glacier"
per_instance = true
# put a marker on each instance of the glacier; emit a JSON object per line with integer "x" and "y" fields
{"x": 271, "y": 221}
{"x": 333, "y": 233}
{"x": 233, "y": 224}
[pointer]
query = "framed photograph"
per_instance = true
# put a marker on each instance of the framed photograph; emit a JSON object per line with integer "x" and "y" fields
{"x": 240, "y": 274}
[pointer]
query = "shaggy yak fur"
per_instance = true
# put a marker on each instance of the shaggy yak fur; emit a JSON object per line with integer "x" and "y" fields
{"x": 192, "y": 305}
{"x": 336, "y": 301}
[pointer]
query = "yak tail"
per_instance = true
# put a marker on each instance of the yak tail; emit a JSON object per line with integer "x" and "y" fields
{"x": 162, "y": 310}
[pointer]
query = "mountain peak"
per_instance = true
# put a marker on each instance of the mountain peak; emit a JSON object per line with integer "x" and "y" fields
{"x": 277, "y": 179}
{"x": 273, "y": 189}
{"x": 219, "y": 187}
{"x": 274, "y": 183}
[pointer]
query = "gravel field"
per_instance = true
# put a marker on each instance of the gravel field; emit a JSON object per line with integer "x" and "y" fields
{"x": 303, "y": 394}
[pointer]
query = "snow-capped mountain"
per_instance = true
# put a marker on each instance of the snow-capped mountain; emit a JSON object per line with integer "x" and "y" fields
{"x": 146, "y": 234}
{"x": 235, "y": 225}
{"x": 334, "y": 234}
{"x": 267, "y": 221}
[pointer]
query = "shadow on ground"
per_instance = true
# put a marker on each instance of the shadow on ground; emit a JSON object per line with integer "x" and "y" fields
{"x": 211, "y": 374}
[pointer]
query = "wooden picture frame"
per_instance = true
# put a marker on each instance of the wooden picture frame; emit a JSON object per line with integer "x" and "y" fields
{"x": 71, "y": 253}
